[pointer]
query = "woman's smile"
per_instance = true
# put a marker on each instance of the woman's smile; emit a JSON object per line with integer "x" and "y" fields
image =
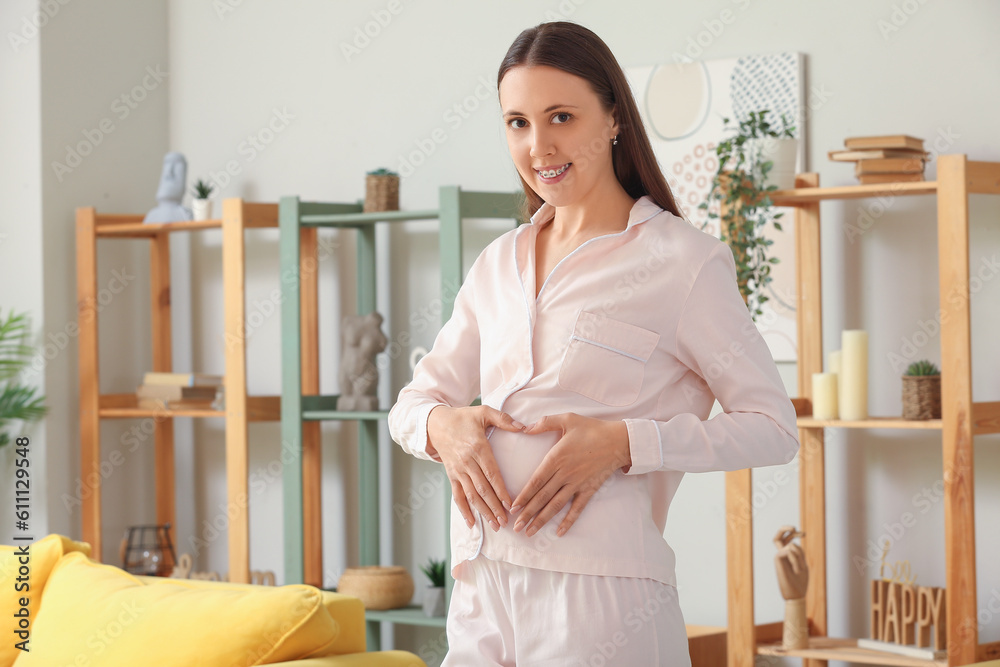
{"x": 551, "y": 175}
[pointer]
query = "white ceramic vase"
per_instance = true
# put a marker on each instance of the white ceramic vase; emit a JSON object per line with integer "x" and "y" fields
{"x": 202, "y": 209}
{"x": 783, "y": 153}
{"x": 434, "y": 601}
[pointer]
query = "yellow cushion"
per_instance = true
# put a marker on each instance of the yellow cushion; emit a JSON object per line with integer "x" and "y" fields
{"x": 102, "y": 616}
{"x": 43, "y": 554}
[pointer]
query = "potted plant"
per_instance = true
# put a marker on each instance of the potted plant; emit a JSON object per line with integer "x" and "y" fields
{"x": 434, "y": 595}
{"x": 741, "y": 197}
{"x": 922, "y": 391}
{"x": 17, "y": 401}
{"x": 381, "y": 190}
{"x": 202, "y": 205}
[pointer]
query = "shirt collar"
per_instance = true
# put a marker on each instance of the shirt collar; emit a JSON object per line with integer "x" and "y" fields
{"x": 643, "y": 209}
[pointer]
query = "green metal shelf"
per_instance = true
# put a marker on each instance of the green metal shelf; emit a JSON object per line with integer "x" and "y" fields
{"x": 412, "y": 615}
{"x": 296, "y": 408}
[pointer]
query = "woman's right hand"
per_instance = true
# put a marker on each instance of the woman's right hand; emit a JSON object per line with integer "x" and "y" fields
{"x": 458, "y": 436}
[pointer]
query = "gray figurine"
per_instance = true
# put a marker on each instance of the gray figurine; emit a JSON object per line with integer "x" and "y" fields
{"x": 363, "y": 339}
{"x": 171, "y": 191}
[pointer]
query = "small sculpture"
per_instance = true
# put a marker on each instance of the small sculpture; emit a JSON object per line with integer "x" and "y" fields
{"x": 363, "y": 339}
{"x": 793, "y": 579}
{"x": 171, "y": 191}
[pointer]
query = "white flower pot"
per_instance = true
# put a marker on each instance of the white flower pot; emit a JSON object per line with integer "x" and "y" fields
{"x": 783, "y": 153}
{"x": 434, "y": 601}
{"x": 202, "y": 209}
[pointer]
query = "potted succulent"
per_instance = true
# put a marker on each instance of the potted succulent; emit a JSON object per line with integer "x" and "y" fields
{"x": 922, "y": 391}
{"x": 381, "y": 190}
{"x": 740, "y": 198}
{"x": 434, "y": 595}
{"x": 202, "y": 205}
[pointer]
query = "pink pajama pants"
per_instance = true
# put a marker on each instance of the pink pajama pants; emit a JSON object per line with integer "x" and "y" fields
{"x": 505, "y": 615}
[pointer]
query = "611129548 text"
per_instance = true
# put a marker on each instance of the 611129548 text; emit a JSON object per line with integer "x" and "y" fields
{"x": 22, "y": 516}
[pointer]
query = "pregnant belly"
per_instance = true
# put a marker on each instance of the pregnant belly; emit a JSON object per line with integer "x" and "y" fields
{"x": 615, "y": 513}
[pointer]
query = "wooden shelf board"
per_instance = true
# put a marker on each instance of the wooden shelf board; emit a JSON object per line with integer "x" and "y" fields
{"x": 806, "y": 421}
{"x": 809, "y": 195}
{"x": 141, "y": 229}
{"x": 846, "y": 650}
{"x": 130, "y": 413}
{"x": 411, "y": 615}
{"x": 125, "y": 406}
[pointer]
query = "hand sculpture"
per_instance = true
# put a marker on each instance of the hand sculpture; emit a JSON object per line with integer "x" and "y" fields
{"x": 793, "y": 579}
{"x": 793, "y": 573}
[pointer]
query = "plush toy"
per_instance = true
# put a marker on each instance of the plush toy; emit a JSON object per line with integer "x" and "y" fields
{"x": 363, "y": 339}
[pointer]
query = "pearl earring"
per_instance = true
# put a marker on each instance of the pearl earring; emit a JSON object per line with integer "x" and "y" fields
{"x": 615, "y": 142}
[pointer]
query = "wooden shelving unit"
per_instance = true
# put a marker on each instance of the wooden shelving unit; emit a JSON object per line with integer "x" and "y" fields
{"x": 962, "y": 419}
{"x": 237, "y": 217}
{"x": 303, "y": 408}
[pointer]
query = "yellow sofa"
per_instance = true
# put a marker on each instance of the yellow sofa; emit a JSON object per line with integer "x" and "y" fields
{"x": 72, "y": 610}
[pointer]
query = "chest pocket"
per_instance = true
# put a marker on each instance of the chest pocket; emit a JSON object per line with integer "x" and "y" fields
{"x": 606, "y": 359}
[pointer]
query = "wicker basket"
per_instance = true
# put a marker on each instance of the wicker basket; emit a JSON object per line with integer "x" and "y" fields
{"x": 921, "y": 397}
{"x": 377, "y": 586}
{"x": 381, "y": 193}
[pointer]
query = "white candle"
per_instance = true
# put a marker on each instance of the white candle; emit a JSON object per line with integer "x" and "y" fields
{"x": 834, "y": 365}
{"x": 853, "y": 380}
{"x": 824, "y": 398}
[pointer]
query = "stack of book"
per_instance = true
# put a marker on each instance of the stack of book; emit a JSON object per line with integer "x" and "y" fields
{"x": 178, "y": 391}
{"x": 884, "y": 159}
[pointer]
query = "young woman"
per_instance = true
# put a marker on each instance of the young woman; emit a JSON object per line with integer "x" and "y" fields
{"x": 598, "y": 336}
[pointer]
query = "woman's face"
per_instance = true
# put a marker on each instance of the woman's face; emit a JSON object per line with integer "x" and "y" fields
{"x": 558, "y": 134}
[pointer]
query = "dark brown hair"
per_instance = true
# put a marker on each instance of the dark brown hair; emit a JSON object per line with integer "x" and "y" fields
{"x": 578, "y": 50}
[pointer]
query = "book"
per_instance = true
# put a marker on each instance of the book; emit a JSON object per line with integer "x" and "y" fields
{"x": 889, "y": 178}
{"x": 173, "y": 392}
{"x": 877, "y": 153}
{"x": 885, "y": 141}
{"x": 902, "y": 649}
{"x": 182, "y": 379}
{"x": 162, "y": 404}
{"x": 890, "y": 166}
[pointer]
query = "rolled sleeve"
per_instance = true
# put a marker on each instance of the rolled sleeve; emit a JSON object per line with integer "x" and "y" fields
{"x": 718, "y": 340}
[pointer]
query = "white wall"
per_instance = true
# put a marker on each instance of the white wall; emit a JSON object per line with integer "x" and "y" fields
{"x": 21, "y": 267}
{"x": 231, "y": 72}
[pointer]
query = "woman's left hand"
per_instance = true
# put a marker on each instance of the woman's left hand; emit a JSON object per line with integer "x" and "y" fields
{"x": 587, "y": 453}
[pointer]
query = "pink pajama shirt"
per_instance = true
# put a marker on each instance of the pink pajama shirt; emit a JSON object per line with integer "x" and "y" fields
{"x": 647, "y": 326}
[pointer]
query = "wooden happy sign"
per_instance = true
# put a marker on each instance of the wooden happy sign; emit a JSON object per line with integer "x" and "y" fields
{"x": 903, "y": 613}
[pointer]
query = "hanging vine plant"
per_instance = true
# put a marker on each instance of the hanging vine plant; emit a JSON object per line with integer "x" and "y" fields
{"x": 741, "y": 193}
